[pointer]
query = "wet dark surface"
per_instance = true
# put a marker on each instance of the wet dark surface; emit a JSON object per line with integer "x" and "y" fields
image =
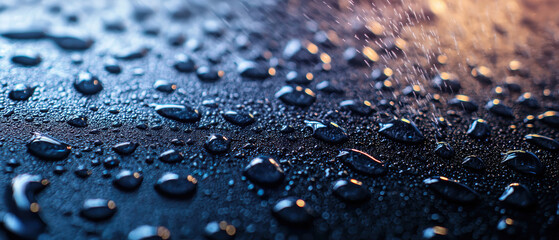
{"x": 435, "y": 98}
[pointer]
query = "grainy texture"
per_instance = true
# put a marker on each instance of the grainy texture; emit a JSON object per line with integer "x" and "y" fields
{"x": 401, "y": 206}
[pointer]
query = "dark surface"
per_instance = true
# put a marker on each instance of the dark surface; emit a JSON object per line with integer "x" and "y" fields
{"x": 469, "y": 33}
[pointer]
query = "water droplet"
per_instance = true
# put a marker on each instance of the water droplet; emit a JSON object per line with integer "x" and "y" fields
{"x": 542, "y": 141}
{"x": 132, "y": 53}
{"x": 528, "y": 100}
{"x": 362, "y": 162}
{"x": 147, "y": 232}
{"x": 329, "y": 87}
{"x": 296, "y": 96}
{"x": 452, "y": 190}
{"x": 294, "y": 51}
{"x": 217, "y": 143}
{"x": 98, "y": 209}
{"x": 293, "y": 211}
{"x": 446, "y": 82}
{"x": 523, "y": 162}
{"x": 351, "y": 190}
{"x": 360, "y": 59}
{"x": 112, "y": 66}
{"x": 220, "y": 231}
{"x": 208, "y": 74}
{"x": 173, "y": 185}
{"x": 25, "y": 33}
{"x": 87, "y": 84}
{"x": 171, "y": 156}
{"x": 363, "y": 108}
{"x": 72, "y": 42}
{"x": 464, "y": 102}
{"x": 82, "y": 171}
{"x": 381, "y": 74}
{"x": 78, "y": 121}
{"x": 329, "y": 132}
{"x": 164, "y": 86}
{"x": 27, "y": 60}
{"x": 239, "y": 118}
{"x": 550, "y": 118}
{"x": 125, "y": 148}
{"x": 184, "y": 63}
{"x": 47, "y": 148}
{"x": 479, "y": 129}
{"x": 294, "y": 77}
{"x": 127, "y": 180}
{"x": 483, "y": 74}
{"x": 518, "y": 195}
{"x": 23, "y": 219}
{"x": 495, "y": 106}
{"x": 179, "y": 113}
{"x": 21, "y": 92}
{"x": 473, "y": 162}
{"x": 402, "y": 130}
{"x": 444, "y": 150}
{"x": 264, "y": 171}
{"x": 252, "y": 70}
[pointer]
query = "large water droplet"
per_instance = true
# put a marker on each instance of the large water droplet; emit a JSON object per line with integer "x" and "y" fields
{"x": 22, "y": 219}
{"x": 363, "y": 108}
{"x": 444, "y": 150}
{"x": 452, "y": 190}
{"x": 296, "y": 96}
{"x": 47, "y": 148}
{"x": 147, "y": 232}
{"x": 127, "y": 180}
{"x": 329, "y": 132}
{"x": 293, "y": 211}
{"x": 402, "y": 130}
{"x": 171, "y": 156}
{"x": 550, "y": 118}
{"x": 164, "y": 86}
{"x": 179, "y": 113}
{"x": 238, "y": 118}
{"x": 362, "y": 162}
{"x": 87, "y": 84}
{"x": 173, "y": 185}
{"x": 264, "y": 171}
{"x": 27, "y": 60}
{"x": 495, "y": 106}
{"x": 217, "y": 143}
{"x": 479, "y": 129}
{"x": 351, "y": 190}
{"x": 473, "y": 162}
{"x": 125, "y": 148}
{"x": 524, "y": 162}
{"x": 72, "y": 42}
{"x": 78, "y": 121}
{"x": 517, "y": 195}
{"x": 542, "y": 141}
{"x": 21, "y": 92}
{"x": 98, "y": 209}
{"x": 464, "y": 102}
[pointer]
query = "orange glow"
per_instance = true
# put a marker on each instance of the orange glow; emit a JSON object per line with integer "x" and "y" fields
{"x": 312, "y": 48}
{"x": 34, "y": 207}
{"x": 300, "y": 203}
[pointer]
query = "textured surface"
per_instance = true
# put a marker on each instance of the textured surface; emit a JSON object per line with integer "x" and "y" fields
{"x": 401, "y": 206}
